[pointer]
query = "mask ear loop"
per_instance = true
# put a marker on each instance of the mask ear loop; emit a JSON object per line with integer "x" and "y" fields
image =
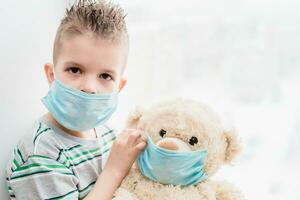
{"x": 54, "y": 75}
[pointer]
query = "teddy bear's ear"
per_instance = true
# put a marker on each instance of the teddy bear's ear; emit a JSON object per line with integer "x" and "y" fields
{"x": 233, "y": 145}
{"x": 134, "y": 117}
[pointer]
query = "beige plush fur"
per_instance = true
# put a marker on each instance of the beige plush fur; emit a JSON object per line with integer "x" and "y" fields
{"x": 183, "y": 119}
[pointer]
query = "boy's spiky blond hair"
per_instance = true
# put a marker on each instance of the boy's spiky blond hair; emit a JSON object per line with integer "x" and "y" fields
{"x": 103, "y": 19}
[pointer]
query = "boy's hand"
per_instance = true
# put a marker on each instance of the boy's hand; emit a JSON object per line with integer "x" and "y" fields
{"x": 128, "y": 145}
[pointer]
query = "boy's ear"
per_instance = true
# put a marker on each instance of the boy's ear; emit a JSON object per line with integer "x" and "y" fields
{"x": 122, "y": 83}
{"x": 49, "y": 72}
{"x": 134, "y": 117}
{"x": 233, "y": 145}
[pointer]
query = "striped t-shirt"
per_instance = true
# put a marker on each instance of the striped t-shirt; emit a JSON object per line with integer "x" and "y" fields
{"x": 51, "y": 164}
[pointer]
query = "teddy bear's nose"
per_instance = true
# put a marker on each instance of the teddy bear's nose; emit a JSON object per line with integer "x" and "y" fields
{"x": 170, "y": 145}
{"x": 174, "y": 144}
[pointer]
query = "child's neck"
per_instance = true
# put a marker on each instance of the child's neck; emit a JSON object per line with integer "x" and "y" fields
{"x": 89, "y": 134}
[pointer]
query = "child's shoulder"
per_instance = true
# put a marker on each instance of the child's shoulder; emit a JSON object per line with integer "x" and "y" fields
{"x": 39, "y": 141}
{"x": 41, "y": 137}
{"x": 44, "y": 143}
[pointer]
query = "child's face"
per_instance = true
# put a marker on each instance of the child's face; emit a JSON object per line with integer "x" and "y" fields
{"x": 89, "y": 64}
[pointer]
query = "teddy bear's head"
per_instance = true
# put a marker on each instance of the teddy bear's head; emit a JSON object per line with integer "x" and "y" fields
{"x": 186, "y": 125}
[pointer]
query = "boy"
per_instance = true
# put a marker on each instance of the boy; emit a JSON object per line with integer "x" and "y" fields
{"x": 64, "y": 155}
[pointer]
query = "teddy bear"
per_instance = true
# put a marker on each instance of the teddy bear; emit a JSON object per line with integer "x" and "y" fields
{"x": 187, "y": 127}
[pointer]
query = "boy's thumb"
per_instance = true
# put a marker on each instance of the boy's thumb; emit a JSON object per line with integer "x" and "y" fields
{"x": 141, "y": 146}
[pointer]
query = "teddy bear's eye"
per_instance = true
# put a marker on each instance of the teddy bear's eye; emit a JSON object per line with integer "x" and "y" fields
{"x": 193, "y": 140}
{"x": 162, "y": 132}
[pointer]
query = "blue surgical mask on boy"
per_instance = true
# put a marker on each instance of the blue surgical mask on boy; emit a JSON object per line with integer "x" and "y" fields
{"x": 77, "y": 110}
{"x": 171, "y": 167}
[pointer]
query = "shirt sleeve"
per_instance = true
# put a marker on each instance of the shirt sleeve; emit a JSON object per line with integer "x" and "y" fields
{"x": 41, "y": 177}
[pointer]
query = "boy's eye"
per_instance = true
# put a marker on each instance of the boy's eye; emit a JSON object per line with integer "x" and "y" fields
{"x": 74, "y": 70}
{"x": 105, "y": 76}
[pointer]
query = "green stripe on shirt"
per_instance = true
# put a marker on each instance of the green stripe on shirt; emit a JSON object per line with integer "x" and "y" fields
{"x": 38, "y": 172}
{"x": 43, "y": 172}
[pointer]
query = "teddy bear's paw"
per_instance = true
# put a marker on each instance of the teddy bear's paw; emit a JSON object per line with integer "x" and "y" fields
{"x": 226, "y": 191}
{"x": 206, "y": 192}
{"x": 122, "y": 194}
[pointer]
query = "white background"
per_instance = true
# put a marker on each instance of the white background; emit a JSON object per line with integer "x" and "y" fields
{"x": 240, "y": 56}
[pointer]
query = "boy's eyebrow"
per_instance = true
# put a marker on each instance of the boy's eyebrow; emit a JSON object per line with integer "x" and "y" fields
{"x": 82, "y": 66}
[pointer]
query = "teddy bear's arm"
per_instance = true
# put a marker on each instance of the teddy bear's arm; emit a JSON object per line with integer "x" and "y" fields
{"x": 122, "y": 194}
{"x": 226, "y": 191}
{"x": 127, "y": 187}
{"x": 206, "y": 191}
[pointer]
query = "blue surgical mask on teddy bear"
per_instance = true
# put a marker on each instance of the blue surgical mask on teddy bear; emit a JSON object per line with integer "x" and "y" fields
{"x": 171, "y": 167}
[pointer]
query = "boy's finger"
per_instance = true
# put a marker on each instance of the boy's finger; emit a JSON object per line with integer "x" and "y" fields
{"x": 125, "y": 134}
{"x": 141, "y": 146}
{"x": 142, "y": 139}
{"x": 133, "y": 137}
{"x": 127, "y": 131}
